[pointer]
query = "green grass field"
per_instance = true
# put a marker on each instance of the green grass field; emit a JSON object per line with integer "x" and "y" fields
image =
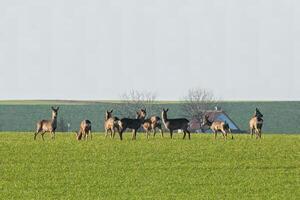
{"x": 201, "y": 168}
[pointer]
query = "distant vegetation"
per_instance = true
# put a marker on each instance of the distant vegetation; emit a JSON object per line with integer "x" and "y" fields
{"x": 279, "y": 117}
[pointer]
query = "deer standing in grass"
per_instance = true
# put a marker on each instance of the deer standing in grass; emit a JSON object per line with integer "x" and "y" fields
{"x": 133, "y": 124}
{"x": 217, "y": 126}
{"x": 175, "y": 124}
{"x": 44, "y": 126}
{"x": 110, "y": 124}
{"x": 151, "y": 124}
{"x": 85, "y": 130}
{"x": 256, "y": 123}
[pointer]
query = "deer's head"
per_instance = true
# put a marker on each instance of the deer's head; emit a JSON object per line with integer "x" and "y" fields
{"x": 54, "y": 112}
{"x": 141, "y": 114}
{"x": 164, "y": 113}
{"x": 258, "y": 113}
{"x": 108, "y": 114}
{"x": 206, "y": 121}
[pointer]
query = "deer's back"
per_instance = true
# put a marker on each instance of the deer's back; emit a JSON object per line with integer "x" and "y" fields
{"x": 255, "y": 122}
{"x": 111, "y": 122}
{"x": 130, "y": 123}
{"x": 86, "y": 125}
{"x": 218, "y": 126}
{"x": 179, "y": 123}
{"x": 147, "y": 124}
{"x": 154, "y": 119}
{"x": 46, "y": 125}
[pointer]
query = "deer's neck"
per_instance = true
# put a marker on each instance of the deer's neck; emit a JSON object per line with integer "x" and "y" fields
{"x": 142, "y": 120}
{"x": 209, "y": 123}
{"x": 54, "y": 121}
{"x": 164, "y": 119}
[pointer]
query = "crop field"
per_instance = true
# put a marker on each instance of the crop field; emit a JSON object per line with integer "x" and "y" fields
{"x": 158, "y": 168}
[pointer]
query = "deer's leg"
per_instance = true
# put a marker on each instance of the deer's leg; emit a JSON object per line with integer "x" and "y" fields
{"x": 133, "y": 134}
{"x": 113, "y": 133}
{"x": 184, "y": 134}
{"x": 86, "y": 135}
{"x": 215, "y": 132}
{"x": 189, "y": 134}
{"x": 121, "y": 133}
{"x": 35, "y": 134}
{"x": 154, "y": 131}
{"x": 229, "y": 130}
{"x": 43, "y": 135}
{"x": 53, "y": 135}
{"x": 224, "y": 133}
{"x": 105, "y": 133}
{"x": 90, "y": 133}
{"x": 259, "y": 133}
{"x": 171, "y": 134}
{"x": 161, "y": 132}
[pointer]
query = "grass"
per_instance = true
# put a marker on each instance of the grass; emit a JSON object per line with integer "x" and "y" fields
{"x": 201, "y": 168}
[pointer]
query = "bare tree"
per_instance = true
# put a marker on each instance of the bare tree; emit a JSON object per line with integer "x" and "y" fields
{"x": 197, "y": 102}
{"x": 134, "y": 100}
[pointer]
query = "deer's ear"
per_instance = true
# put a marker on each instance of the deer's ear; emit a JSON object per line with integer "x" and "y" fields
{"x": 167, "y": 110}
{"x": 111, "y": 111}
{"x": 57, "y": 108}
{"x": 137, "y": 113}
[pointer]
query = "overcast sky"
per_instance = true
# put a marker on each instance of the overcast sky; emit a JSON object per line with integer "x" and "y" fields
{"x": 98, "y": 49}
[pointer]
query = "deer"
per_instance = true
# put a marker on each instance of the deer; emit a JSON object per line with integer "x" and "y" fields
{"x": 50, "y": 126}
{"x": 256, "y": 123}
{"x": 85, "y": 130}
{"x": 151, "y": 124}
{"x": 175, "y": 124}
{"x": 217, "y": 126}
{"x": 133, "y": 124}
{"x": 110, "y": 124}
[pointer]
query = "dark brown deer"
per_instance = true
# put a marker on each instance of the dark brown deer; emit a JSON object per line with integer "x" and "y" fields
{"x": 133, "y": 124}
{"x": 110, "y": 124}
{"x": 217, "y": 126}
{"x": 256, "y": 123}
{"x": 85, "y": 130}
{"x": 151, "y": 124}
{"x": 175, "y": 124}
{"x": 47, "y": 125}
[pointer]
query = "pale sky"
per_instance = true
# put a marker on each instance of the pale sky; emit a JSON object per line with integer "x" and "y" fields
{"x": 99, "y": 49}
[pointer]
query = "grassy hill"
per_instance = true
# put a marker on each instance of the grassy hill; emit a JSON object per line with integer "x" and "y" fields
{"x": 201, "y": 168}
{"x": 280, "y": 117}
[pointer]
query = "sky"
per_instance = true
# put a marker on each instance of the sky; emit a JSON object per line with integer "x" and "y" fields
{"x": 101, "y": 49}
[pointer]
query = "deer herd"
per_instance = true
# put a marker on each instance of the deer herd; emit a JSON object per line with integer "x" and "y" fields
{"x": 113, "y": 124}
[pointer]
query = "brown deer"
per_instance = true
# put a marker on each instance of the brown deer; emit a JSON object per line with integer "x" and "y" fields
{"x": 217, "y": 126}
{"x": 85, "y": 130}
{"x": 110, "y": 124}
{"x": 133, "y": 124}
{"x": 151, "y": 124}
{"x": 47, "y": 125}
{"x": 175, "y": 124}
{"x": 256, "y": 123}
